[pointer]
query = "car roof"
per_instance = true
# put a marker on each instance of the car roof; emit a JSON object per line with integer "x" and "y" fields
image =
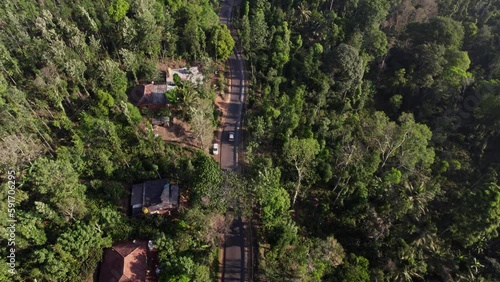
{"x": 216, "y": 145}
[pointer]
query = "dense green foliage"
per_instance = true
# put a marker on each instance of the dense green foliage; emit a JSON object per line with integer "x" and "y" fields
{"x": 372, "y": 154}
{"x": 380, "y": 119}
{"x": 76, "y": 144}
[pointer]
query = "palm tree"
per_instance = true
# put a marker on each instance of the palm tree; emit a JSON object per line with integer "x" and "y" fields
{"x": 188, "y": 98}
{"x": 427, "y": 240}
{"x": 410, "y": 263}
{"x": 303, "y": 13}
{"x": 419, "y": 196}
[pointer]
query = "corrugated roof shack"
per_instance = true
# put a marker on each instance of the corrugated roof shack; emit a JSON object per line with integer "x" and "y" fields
{"x": 151, "y": 96}
{"x": 156, "y": 196}
{"x": 161, "y": 121}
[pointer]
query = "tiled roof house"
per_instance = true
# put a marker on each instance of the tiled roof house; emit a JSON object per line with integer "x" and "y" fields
{"x": 125, "y": 262}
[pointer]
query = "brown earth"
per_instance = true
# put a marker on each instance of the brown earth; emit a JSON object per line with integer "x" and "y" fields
{"x": 177, "y": 131}
{"x": 173, "y": 64}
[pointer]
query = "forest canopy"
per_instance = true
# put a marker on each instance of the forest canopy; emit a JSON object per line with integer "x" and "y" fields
{"x": 380, "y": 125}
{"x": 370, "y": 147}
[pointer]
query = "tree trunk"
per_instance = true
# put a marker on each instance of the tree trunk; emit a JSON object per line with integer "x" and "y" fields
{"x": 297, "y": 186}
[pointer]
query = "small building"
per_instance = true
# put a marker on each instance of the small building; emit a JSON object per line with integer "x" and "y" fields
{"x": 150, "y": 95}
{"x": 191, "y": 74}
{"x": 125, "y": 261}
{"x": 160, "y": 121}
{"x": 155, "y": 196}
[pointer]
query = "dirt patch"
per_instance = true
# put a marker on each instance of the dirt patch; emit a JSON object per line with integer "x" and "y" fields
{"x": 173, "y": 64}
{"x": 222, "y": 105}
{"x": 176, "y": 131}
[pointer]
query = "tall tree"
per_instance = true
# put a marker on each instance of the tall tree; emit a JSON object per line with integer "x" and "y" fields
{"x": 273, "y": 199}
{"x": 118, "y": 9}
{"x": 300, "y": 153}
{"x": 57, "y": 182}
{"x": 202, "y": 122}
{"x": 259, "y": 30}
{"x": 206, "y": 190}
{"x": 348, "y": 69}
{"x": 405, "y": 144}
{"x": 222, "y": 42}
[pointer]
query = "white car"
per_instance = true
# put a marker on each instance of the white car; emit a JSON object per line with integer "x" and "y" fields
{"x": 231, "y": 136}
{"x": 215, "y": 149}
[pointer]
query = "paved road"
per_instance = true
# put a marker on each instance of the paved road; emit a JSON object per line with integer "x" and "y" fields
{"x": 233, "y": 268}
{"x": 228, "y": 150}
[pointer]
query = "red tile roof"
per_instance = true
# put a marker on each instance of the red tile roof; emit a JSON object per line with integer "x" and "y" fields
{"x": 124, "y": 262}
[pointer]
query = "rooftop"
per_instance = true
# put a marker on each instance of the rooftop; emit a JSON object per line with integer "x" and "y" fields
{"x": 154, "y": 196}
{"x": 149, "y": 94}
{"x": 192, "y": 74}
{"x": 125, "y": 261}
